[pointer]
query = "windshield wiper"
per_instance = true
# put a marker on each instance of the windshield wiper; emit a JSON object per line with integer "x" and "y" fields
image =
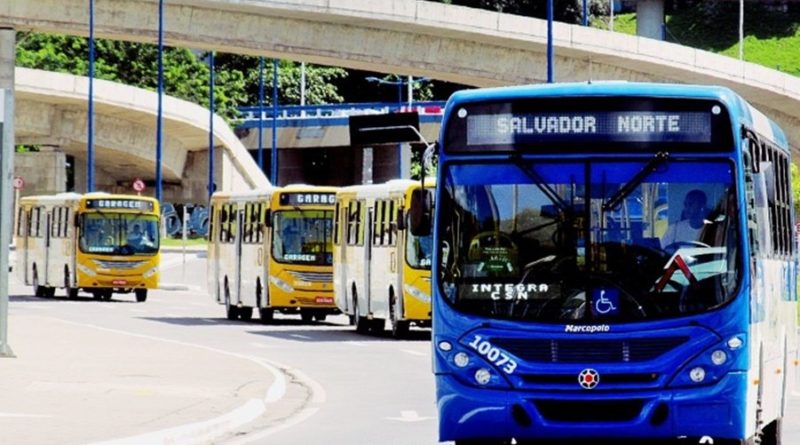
{"x": 637, "y": 179}
{"x": 538, "y": 181}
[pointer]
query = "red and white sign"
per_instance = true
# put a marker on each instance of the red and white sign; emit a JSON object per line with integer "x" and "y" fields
{"x": 138, "y": 185}
{"x": 18, "y": 182}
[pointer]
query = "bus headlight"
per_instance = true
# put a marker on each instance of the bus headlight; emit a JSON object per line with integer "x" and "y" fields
{"x": 712, "y": 364}
{"x": 461, "y": 359}
{"x": 719, "y": 357}
{"x": 86, "y": 270}
{"x": 483, "y": 376}
{"x": 150, "y": 272}
{"x": 417, "y": 293}
{"x": 697, "y": 374}
{"x": 282, "y": 285}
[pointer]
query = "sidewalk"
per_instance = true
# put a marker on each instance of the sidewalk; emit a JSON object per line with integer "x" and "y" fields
{"x": 77, "y": 384}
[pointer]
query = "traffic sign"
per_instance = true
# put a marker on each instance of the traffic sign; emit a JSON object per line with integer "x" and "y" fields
{"x": 138, "y": 185}
{"x": 18, "y": 183}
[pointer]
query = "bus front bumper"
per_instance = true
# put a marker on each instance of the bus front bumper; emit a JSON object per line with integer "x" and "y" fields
{"x": 716, "y": 411}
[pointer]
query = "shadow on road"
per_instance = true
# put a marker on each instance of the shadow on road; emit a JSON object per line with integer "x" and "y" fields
{"x": 337, "y": 334}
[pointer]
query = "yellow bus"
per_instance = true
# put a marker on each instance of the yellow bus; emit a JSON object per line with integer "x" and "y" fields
{"x": 272, "y": 250}
{"x": 98, "y": 242}
{"x": 381, "y": 271}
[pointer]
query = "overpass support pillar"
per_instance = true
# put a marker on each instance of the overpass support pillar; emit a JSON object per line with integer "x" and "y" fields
{"x": 405, "y": 161}
{"x": 650, "y": 19}
{"x": 7, "y": 60}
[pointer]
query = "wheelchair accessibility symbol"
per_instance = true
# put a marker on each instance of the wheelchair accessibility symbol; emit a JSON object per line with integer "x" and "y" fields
{"x": 606, "y": 301}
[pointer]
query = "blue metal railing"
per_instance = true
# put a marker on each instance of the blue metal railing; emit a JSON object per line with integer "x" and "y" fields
{"x": 336, "y": 114}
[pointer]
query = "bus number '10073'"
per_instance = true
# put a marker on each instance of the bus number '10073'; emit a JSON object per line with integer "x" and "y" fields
{"x": 494, "y": 355}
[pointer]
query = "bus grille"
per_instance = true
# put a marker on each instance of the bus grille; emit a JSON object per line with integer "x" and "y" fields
{"x": 124, "y": 265}
{"x": 595, "y": 351}
{"x": 313, "y": 277}
{"x": 589, "y": 410}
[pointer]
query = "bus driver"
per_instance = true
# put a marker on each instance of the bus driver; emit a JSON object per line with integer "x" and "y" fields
{"x": 692, "y": 220}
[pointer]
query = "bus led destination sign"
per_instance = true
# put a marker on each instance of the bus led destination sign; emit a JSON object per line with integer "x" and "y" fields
{"x": 126, "y": 204}
{"x": 625, "y": 126}
{"x": 301, "y": 199}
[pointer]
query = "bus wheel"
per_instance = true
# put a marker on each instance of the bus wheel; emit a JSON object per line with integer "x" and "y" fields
{"x": 72, "y": 292}
{"x": 141, "y": 295}
{"x": 362, "y": 324}
{"x": 772, "y": 434}
{"x": 37, "y": 290}
{"x": 231, "y": 311}
{"x": 399, "y": 327}
{"x": 265, "y": 315}
{"x": 245, "y": 313}
{"x": 306, "y": 315}
{"x": 49, "y": 291}
{"x": 320, "y": 316}
{"x": 97, "y": 294}
{"x": 108, "y": 292}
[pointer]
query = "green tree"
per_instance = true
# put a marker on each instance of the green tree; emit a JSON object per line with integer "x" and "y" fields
{"x": 186, "y": 75}
{"x": 796, "y": 188}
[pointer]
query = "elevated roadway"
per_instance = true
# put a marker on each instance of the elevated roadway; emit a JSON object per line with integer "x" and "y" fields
{"x": 415, "y": 37}
{"x": 51, "y": 110}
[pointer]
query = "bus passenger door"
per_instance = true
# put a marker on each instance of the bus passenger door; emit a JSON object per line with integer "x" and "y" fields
{"x": 48, "y": 245}
{"x": 238, "y": 249}
{"x": 368, "y": 260}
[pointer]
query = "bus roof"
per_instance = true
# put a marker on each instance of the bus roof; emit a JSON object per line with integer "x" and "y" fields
{"x": 742, "y": 112}
{"x": 307, "y": 187}
{"x": 247, "y": 194}
{"x": 73, "y": 196}
{"x": 393, "y": 185}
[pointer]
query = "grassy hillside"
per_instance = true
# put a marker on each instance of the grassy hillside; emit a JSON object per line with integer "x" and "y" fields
{"x": 772, "y": 38}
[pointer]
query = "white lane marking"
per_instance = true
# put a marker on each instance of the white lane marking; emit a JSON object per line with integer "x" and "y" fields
{"x": 412, "y": 352}
{"x": 24, "y": 415}
{"x": 198, "y": 432}
{"x": 264, "y": 346}
{"x": 302, "y": 337}
{"x": 408, "y": 416}
{"x": 302, "y": 416}
{"x": 209, "y": 320}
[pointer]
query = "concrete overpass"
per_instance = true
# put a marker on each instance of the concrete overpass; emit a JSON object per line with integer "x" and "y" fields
{"x": 415, "y": 37}
{"x": 51, "y": 111}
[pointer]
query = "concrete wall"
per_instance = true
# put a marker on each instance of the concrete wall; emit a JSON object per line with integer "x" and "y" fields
{"x": 44, "y": 172}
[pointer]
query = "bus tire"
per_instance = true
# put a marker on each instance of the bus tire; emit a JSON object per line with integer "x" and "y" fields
{"x": 399, "y": 327}
{"x": 141, "y": 295}
{"x": 38, "y": 290}
{"x": 306, "y": 315}
{"x": 265, "y": 315}
{"x": 245, "y": 313}
{"x": 231, "y": 311}
{"x": 72, "y": 292}
{"x": 362, "y": 324}
{"x": 320, "y": 316}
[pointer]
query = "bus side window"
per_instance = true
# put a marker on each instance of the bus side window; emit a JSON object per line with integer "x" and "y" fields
{"x": 377, "y": 223}
{"x": 21, "y": 221}
{"x": 223, "y": 223}
{"x": 391, "y": 223}
{"x": 336, "y": 224}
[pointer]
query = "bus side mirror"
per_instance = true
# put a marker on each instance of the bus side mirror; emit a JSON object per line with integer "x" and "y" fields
{"x": 401, "y": 220}
{"x": 420, "y": 213}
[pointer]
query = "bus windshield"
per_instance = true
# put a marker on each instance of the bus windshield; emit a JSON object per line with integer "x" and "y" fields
{"x": 589, "y": 241}
{"x": 418, "y": 251}
{"x": 119, "y": 233}
{"x": 303, "y": 237}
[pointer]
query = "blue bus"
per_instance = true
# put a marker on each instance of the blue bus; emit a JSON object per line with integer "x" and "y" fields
{"x": 615, "y": 261}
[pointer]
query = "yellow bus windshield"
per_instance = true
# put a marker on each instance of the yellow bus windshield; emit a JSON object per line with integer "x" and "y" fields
{"x": 303, "y": 237}
{"x": 118, "y": 233}
{"x": 418, "y": 251}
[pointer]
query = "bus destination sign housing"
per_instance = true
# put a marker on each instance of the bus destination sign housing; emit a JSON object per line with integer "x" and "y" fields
{"x": 308, "y": 199}
{"x": 597, "y": 123}
{"x": 120, "y": 204}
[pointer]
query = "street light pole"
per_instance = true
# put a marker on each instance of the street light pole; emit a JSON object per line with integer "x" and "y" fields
{"x": 210, "y": 124}
{"x": 7, "y": 55}
{"x": 90, "y": 118}
{"x": 549, "y": 41}
{"x": 160, "y": 118}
